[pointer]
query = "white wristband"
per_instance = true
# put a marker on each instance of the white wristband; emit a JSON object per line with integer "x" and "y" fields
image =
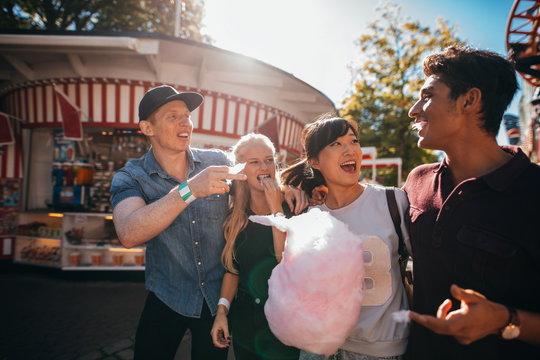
{"x": 185, "y": 193}
{"x": 224, "y": 302}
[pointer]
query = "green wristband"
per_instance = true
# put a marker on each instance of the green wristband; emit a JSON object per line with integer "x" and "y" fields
{"x": 185, "y": 193}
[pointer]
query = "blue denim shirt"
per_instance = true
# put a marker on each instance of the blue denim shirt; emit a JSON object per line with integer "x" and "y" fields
{"x": 183, "y": 266}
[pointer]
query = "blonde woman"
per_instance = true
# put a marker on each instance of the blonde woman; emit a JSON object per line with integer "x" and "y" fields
{"x": 251, "y": 252}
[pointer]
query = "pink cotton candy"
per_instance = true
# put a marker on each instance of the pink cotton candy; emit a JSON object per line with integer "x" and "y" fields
{"x": 315, "y": 293}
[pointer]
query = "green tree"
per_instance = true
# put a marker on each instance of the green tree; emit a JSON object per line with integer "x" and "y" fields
{"x": 154, "y": 16}
{"x": 387, "y": 79}
{"x": 106, "y": 15}
{"x": 48, "y": 14}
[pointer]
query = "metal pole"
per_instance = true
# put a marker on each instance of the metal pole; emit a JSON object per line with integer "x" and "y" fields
{"x": 177, "y": 20}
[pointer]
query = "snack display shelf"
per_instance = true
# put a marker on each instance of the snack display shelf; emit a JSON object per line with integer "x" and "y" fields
{"x": 35, "y": 250}
{"x": 88, "y": 243}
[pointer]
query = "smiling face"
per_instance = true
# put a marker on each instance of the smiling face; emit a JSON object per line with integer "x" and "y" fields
{"x": 339, "y": 162}
{"x": 259, "y": 159}
{"x": 169, "y": 128}
{"x": 436, "y": 116}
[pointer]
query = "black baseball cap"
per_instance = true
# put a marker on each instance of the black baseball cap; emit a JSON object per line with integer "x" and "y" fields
{"x": 154, "y": 98}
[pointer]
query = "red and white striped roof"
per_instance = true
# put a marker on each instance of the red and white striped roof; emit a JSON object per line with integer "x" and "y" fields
{"x": 114, "y": 103}
{"x": 106, "y": 74}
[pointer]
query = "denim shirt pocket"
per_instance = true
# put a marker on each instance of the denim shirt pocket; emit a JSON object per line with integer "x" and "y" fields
{"x": 215, "y": 207}
{"x": 484, "y": 257}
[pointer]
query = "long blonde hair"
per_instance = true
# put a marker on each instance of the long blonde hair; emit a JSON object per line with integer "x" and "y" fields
{"x": 236, "y": 218}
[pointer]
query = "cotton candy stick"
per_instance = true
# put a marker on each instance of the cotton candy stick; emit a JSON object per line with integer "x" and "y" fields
{"x": 237, "y": 168}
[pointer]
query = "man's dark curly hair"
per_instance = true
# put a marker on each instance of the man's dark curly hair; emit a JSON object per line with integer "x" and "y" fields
{"x": 463, "y": 68}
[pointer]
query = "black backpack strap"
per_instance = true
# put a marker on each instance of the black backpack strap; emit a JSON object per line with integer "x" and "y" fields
{"x": 396, "y": 219}
{"x": 406, "y": 276}
{"x": 402, "y": 249}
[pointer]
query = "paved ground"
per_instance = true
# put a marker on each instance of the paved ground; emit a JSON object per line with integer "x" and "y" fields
{"x": 49, "y": 314}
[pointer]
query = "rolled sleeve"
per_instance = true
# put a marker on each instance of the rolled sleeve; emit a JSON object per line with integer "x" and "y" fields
{"x": 124, "y": 186}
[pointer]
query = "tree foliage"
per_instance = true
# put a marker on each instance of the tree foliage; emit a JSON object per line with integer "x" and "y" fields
{"x": 48, "y": 14}
{"x": 387, "y": 79}
{"x": 154, "y": 16}
{"x": 107, "y": 15}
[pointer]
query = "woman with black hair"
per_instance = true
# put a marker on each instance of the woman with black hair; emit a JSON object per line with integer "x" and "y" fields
{"x": 333, "y": 159}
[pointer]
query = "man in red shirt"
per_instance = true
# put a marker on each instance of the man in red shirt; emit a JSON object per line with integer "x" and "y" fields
{"x": 474, "y": 217}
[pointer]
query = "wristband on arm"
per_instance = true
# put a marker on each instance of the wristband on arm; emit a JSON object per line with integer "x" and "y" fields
{"x": 224, "y": 302}
{"x": 185, "y": 193}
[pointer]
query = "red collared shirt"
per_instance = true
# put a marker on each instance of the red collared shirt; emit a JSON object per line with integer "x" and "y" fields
{"x": 483, "y": 234}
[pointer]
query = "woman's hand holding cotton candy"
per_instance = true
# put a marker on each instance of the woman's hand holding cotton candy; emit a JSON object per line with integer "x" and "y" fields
{"x": 315, "y": 293}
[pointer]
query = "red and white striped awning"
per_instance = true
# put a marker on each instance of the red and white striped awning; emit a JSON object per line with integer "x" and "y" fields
{"x": 114, "y": 103}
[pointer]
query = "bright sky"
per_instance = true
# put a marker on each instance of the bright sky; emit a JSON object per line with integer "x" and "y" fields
{"x": 313, "y": 39}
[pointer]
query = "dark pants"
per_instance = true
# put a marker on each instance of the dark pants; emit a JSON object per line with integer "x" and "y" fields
{"x": 161, "y": 330}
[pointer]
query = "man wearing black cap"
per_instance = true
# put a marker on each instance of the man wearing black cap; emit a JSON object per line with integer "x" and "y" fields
{"x": 173, "y": 199}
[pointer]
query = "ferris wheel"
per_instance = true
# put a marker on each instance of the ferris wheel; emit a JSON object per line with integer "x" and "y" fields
{"x": 523, "y": 39}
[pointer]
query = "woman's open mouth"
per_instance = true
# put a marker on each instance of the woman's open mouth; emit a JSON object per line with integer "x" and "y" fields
{"x": 262, "y": 176}
{"x": 349, "y": 166}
